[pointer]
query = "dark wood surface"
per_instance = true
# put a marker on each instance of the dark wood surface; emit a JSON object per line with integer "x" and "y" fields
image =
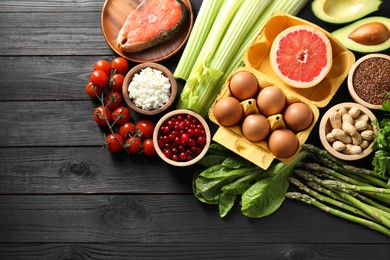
{"x": 63, "y": 197}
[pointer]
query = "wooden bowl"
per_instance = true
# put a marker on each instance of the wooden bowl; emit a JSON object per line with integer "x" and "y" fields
{"x": 351, "y": 88}
{"x": 163, "y": 120}
{"x": 325, "y": 127}
{"x": 129, "y": 77}
{"x": 114, "y": 14}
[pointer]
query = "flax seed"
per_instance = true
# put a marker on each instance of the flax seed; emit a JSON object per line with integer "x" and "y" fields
{"x": 371, "y": 80}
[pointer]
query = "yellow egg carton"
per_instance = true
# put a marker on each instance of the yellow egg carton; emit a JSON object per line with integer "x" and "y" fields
{"x": 257, "y": 62}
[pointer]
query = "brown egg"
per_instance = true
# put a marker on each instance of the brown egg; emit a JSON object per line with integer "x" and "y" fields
{"x": 298, "y": 116}
{"x": 243, "y": 85}
{"x": 271, "y": 100}
{"x": 283, "y": 143}
{"x": 255, "y": 127}
{"x": 228, "y": 111}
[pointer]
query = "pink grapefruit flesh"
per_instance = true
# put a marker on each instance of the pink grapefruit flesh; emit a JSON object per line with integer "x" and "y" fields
{"x": 301, "y": 56}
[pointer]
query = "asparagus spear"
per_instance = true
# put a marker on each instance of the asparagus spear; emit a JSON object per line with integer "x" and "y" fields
{"x": 309, "y": 200}
{"x": 327, "y": 159}
{"x": 376, "y": 213}
{"x": 326, "y": 199}
{"x": 329, "y": 172}
{"x": 373, "y": 212}
{"x": 341, "y": 185}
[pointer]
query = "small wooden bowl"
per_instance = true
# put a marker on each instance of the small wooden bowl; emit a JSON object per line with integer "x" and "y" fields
{"x": 351, "y": 87}
{"x": 129, "y": 77}
{"x": 325, "y": 127}
{"x": 167, "y": 117}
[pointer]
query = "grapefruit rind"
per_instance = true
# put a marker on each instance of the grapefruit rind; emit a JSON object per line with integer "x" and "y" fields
{"x": 301, "y": 56}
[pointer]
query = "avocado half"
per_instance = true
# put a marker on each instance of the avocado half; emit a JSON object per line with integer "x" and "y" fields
{"x": 343, "y": 11}
{"x": 342, "y": 35}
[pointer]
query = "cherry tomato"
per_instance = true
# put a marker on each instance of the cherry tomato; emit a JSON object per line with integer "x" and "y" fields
{"x": 114, "y": 143}
{"x": 120, "y": 65}
{"x": 113, "y": 100}
{"x": 121, "y": 115}
{"x": 103, "y": 65}
{"x": 100, "y": 114}
{"x": 149, "y": 149}
{"x": 146, "y": 127}
{"x": 134, "y": 145}
{"x": 116, "y": 82}
{"x": 128, "y": 130}
{"x": 92, "y": 90}
{"x": 99, "y": 79}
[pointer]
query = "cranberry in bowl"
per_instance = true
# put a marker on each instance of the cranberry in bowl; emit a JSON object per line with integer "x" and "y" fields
{"x": 181, "y": 137}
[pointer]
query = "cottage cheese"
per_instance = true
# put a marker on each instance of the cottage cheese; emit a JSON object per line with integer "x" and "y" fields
{"x": 149, "y": 89}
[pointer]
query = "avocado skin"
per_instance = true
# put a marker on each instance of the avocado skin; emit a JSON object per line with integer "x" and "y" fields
{"x": 318, "y": 7}
{"x": 342, "y": 36}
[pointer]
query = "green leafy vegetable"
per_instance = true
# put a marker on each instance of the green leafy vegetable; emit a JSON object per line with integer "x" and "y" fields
{"x": 223, "y": 182}
{"x": 381, "y": 160}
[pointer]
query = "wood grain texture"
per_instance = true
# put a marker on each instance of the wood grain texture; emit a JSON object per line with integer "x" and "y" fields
{"x": 87, "y": 170}
{"x": 164, "y": 219}
{"x": 184, "y": 251}
{"x": 55, "y": 78}
{"x": 63, "y": 197}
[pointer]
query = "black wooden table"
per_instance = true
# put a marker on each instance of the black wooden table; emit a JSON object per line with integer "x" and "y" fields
{"x": 63, "y": 197}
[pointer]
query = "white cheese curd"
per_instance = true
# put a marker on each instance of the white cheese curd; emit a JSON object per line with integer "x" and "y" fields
{"x": 149, "y": 89}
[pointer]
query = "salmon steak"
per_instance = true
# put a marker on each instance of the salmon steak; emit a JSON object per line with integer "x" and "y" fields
{"x": 152, "y": 22}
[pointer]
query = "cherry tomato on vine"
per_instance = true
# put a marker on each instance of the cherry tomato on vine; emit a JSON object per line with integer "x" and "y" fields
{"x": 113, "y": 100}
{"x": 116, "y": 82}
{"x": 99, "y": 79}
{"x": 121, "y": 115}
{"x": 92, "y": 90}
{"x": 146, "y": 127}
{"x": 100, "y": 114}
{"x": 134, "y": 145}
{"x": 120, "y": 65}
{"x": 103, "y": 65}
{"x": 114, "y": 143}
{"x": 149, "y": 149}
{"x": 128, "y": 130}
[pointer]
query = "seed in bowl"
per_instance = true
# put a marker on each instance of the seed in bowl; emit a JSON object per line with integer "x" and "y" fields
{"x": 182, "y": 138}
{"x": 149, "y": 89}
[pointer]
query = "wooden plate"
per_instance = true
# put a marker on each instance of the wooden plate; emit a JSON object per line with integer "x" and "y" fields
{"x": 115, "y": 13}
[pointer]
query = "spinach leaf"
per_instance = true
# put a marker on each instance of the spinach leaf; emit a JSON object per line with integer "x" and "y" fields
{"x": 265, "y": 196}
{"x": 225, "y": 172}
{"x": 236, "y": 161}
{"x": 226, "y": 203}
{"x": 211, "y": 160}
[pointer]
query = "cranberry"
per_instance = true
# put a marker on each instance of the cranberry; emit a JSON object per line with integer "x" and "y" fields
{"x": 182, "y": 138}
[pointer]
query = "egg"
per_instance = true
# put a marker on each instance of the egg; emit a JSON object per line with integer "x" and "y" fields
{"x": 298, "y": 116}
{"x": 271, "y": 100}
{"x": 228, "y": 111}
{"x": 255, "y": 127}
{"x": 243, "y": 85}
{"x": 283, "y": 143}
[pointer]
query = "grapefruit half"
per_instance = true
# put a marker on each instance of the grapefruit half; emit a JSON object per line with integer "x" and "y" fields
{"x": 301, "y": 56}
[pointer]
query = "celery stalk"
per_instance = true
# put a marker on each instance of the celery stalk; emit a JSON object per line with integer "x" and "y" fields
{"x": 208, "y": 76}
{"x": 203, "y": 23}
{"x": 291, "y": 7}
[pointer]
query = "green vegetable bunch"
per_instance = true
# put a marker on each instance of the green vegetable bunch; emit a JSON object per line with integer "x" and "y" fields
{"x": 355, "y": 194}
{"x": 381, "y": 160}
{"x": 229, "y": 176}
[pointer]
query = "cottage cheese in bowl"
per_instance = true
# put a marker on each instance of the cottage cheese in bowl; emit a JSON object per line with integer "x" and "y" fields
{"x": 149, "y": 89}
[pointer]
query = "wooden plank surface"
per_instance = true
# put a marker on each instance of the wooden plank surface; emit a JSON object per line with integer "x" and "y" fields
{"x": 165, "y": 219}
{"x": 49, "y": 170}
{"x": 189, "y": 251}
{"x": 63, "y": 197}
